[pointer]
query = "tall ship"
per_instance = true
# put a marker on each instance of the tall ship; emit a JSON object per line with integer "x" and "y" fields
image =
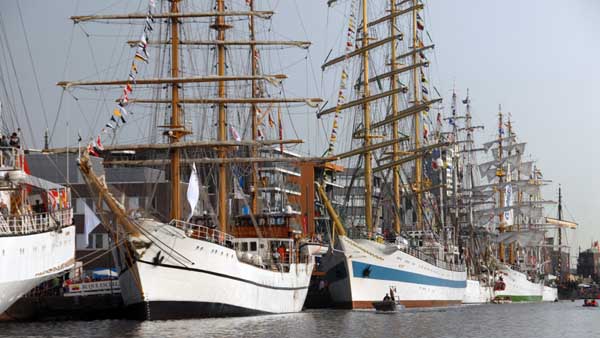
{"x": 516, "y": 218}
{"x": 412, "y": 252}
{"x": 37, "y": 237}
{"x": 464, "y": 200}
{"x": 237, "y": 236}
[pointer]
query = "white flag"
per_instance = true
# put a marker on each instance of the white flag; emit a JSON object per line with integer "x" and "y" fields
{"x": 90, "y": 222}
{"x": 193, "y": 191}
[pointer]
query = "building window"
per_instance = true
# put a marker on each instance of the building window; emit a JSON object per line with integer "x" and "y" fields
{"x": 99, "y": 241}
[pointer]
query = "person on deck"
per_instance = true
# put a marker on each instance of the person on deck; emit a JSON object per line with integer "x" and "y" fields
{"x": 3, "y": 209}
{"x": 386, "y": 298}
{"x": 276, "y": 256}
{"x": 14, "y": 141}
{"x": 281, "y": 251}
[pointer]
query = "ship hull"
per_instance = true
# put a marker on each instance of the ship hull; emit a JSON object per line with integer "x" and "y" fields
{"x": 28, "y": 260}
{"x": 518, "y": 287}
{"x": 550, "y": 294}
{"x": 213, "y": 283}
{"x": 361, "y": 272}
{"x": 477, "y": 293}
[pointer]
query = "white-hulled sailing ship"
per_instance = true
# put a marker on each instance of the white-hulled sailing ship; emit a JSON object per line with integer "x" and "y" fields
{"x": 517, "y": 217}
{"x": 37, "y": 239}
{"x": 251, "y": 255}
{"x": 418, "y": 260}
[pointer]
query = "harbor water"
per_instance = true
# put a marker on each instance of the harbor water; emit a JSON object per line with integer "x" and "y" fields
{"x": 548, "y": 320}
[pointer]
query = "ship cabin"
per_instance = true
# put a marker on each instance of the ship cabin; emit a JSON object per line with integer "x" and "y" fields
{"x": 268, "y": 239}
{"x": 29, "y": 204}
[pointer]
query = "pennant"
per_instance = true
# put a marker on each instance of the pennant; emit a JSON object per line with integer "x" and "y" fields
{"x": 280, "y": 128}
{"x": 79, "y": 138}
{"x": 124, "y": 101}
{"x": 117, "y": 112}
{"x": 108, "y": 125}
{"x": 420, "y": 24}
{"x": 123, "y": 119}
{"x": 139, "y": 56}
{"x": 99, "y": 143}
{"x": 335, "y": 124}
{"x": 424, "y": 90}
{"x": 271, "y": 121}
{"x": 129, "y": 88}
{"x": 132, "y": 77}
{"x": 143, "y": 40}
{"x": 134, "y": 68}
{"x": 112, "y": 118}
{"x": 91, "y": 151}
{"x": 439, "y": 119}
{"x": 148, "y": 26}
{"x": 234, "y": 134}
{"x": 123, "y": 111}
{"x": 425, "y": 132}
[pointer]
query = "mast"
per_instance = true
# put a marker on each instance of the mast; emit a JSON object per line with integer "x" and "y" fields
{"x": 220, "y": 27}
{"x": 500, "y": 175}
{"x": 396, "y": 147}
{"x": 367, "y": 124}
{"x": 176, "y": 127}
{"x": 559, "y": 260}
{"x": 511, "y": 246}
{"x": 455, "y": 169}
{"x": 253, "y": 111}
{"x": 417, "y": 118}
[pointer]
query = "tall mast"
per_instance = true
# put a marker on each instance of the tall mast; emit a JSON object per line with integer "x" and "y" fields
{"x": 396, "y": 147}
{"x": 511, "y": 246}
{"x": 455, "y": 168}
{"x": 253, "y": 111}
{"x": 500, "y": 175}
{"x": 220, "y": 27}
{"x": 417, "y": 126}
{"x": 176, "y": 127}
{"x": 559, "y": 260}
{"x": 367, "y": 124}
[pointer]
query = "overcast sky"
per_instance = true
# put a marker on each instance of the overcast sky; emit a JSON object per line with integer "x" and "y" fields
{"x": 538, "y": 58}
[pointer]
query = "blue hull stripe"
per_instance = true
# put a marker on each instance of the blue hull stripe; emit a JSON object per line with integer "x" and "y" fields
{"x": 369, "y": 271}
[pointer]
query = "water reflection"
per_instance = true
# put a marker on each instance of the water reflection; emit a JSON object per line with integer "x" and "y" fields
{"x": 548, "y": 320}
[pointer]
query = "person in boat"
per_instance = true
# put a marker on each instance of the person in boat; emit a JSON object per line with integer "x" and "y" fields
{"x": 386, "y": 298}
{"x": 392, "y": 296}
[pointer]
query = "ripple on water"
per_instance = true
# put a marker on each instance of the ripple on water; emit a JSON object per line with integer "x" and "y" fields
{"x": 548, "y": 320}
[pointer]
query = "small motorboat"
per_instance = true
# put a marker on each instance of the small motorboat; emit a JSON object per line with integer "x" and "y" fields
{"x": 591, "y": 303}
{"x": 387, "y": 306}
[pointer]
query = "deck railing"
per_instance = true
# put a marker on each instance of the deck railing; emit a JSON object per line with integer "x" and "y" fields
{"x": 432, "y": 260}
{"x": 11, "y": 157}
{"x": 35, "y": 223}
{"x": 204, "y": 233}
